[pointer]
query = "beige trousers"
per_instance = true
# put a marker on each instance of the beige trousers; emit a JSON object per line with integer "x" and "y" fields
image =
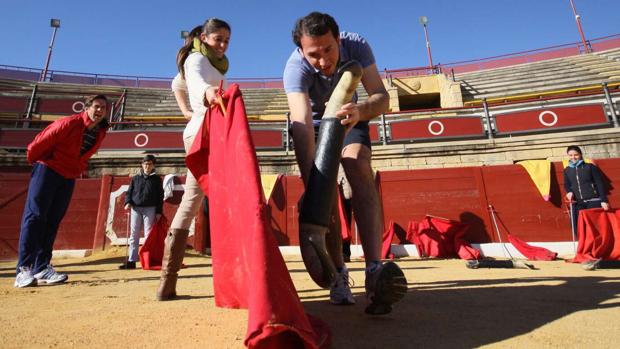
{"x": 192, "y": 197}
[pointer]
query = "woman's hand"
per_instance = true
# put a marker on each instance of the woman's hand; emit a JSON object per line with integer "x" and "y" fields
{"x": 187, "y": 114}
{"x": 569, "y": 197}
{"x": 210, "y": 95}
{"x": 605, "y": 206}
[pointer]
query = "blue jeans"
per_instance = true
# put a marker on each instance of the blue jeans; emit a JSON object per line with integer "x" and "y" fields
{"x": 141, "y": 217}
{"x": 49, "y": 195}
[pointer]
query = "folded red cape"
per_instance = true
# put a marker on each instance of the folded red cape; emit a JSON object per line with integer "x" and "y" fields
{"x": 152, "y": 252}
{"x": 442, "y": 238}
{"x": 248, "y": 269}
{"x": 599, "y": 235}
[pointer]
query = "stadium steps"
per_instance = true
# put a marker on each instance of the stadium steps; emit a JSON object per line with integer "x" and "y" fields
{"x": 613, "y": 54}
{"x": 159, "y": 104}
{"x": 259, "y": 103}
{"x": 567, "y": 72}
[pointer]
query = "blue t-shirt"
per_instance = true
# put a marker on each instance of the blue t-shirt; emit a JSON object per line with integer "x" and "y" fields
{"x": 301, "y": 76}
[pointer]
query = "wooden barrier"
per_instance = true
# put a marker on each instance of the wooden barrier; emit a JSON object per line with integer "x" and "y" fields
{"x": 551, "y": 119}
{"x": 96, "y": 218}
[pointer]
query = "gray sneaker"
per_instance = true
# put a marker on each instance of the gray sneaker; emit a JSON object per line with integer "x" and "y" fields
{"x": 340, "y": 291}
{"x": 384, "y": 287}
{"x": 50, "y": 276}
{"x": 591, "y": 264}
{"x": 24, "y": 278}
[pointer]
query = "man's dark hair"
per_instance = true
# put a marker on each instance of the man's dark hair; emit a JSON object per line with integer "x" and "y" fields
{"x": 149, "y": 157}
{"x": 575, "y": 148}
{"x": 88, "y": 101}
{"x": 315, "y": 24}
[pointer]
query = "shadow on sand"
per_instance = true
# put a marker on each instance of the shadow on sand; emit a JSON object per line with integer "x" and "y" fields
{"x": 464, "y": 313}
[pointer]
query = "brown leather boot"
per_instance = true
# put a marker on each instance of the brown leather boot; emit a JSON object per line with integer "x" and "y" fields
{"x": 174, "y": 250}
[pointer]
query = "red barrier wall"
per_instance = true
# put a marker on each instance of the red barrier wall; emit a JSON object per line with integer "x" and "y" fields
{"x": 456, "y": 193}
{"x": 13, "y": 191}
{"x": 551, "y": 118}
{"x": 77, "y": 229}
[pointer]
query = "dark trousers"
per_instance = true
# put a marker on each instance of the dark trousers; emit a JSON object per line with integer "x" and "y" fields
{"x": 583, "y": 205}
{"x": 49, "y": 195}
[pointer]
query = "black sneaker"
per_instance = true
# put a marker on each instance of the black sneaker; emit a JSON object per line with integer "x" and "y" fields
{"x": 128, "y": 265}
{"x": 384, "y": 287}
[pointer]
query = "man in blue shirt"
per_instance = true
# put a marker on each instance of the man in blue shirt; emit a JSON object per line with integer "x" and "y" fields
{"x": 308, "y": 76}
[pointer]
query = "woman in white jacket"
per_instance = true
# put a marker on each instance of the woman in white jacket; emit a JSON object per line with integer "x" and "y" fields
{"x": 202, "y": 64}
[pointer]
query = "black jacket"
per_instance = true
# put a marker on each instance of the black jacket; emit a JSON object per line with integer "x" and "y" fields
{"x": 146, "y": 191}
{"x": 585, "y": 182}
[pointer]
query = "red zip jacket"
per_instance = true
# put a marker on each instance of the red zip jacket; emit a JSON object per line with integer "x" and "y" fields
{"x": 58, "y": 145}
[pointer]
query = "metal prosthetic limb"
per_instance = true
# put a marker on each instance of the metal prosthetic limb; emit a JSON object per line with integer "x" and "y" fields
{"x": 490, "y": 263}
{"x": 316, "y": 206}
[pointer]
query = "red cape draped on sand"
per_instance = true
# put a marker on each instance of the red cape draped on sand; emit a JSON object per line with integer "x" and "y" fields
{"x": 248, "y": 269}
{"x": 443, "y": 238}
{"x": 530, "y": 252}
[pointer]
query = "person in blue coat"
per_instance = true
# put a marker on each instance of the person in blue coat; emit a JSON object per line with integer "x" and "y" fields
{"x": 583, "y": 183}
{"x": 145, "y": 199}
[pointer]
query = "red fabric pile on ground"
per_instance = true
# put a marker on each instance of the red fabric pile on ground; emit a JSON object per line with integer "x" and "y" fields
{"x": 248, "y": 269}
{"x": 388, "y": 236}
{"x": 442, "y": 238}
{"x": 599, "y": 235}
{"x": 152, "y": 252}
{"x": 530, "y": 252}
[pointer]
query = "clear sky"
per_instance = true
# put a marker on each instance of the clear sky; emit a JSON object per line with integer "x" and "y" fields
{"x": 135, "y": 37}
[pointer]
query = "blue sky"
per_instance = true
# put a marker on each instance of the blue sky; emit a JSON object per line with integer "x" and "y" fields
{"x": 134, "y": 37}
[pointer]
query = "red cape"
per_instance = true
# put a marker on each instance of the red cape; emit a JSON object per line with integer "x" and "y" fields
{"x": 599, "y": 235}
{"x": 248, "y": 269}
{"x": 152, "y": 252}
{"x": 530, "y": 252}
{"x": 443, "y": 238}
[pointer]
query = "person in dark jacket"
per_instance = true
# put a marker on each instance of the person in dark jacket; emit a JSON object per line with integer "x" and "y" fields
{"x": 60, "y": 154}
{"x": 583, "y": 184}
{"x": 145, "y": 199}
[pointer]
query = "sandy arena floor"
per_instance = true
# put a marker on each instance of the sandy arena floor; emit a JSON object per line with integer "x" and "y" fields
{"x": 448, "y": 306}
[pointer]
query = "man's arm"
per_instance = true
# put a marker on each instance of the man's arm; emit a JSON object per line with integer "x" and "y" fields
{"x": 302, "y": 131}
{"x": 376, "y": 104}
{"x": 378, "y": 99}
{"x": 43, "y": 144}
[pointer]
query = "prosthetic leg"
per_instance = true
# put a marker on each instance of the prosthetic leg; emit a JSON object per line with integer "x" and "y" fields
{"x": 316, "y": 206}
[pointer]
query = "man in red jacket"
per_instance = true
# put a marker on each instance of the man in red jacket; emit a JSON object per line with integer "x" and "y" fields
{"x": 59, "y": 153}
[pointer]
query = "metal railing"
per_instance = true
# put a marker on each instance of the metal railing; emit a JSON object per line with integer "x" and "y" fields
{"x": 402, "y": 127}
{"x": 557, "y": 51}
{"x": 528, "y": 56}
